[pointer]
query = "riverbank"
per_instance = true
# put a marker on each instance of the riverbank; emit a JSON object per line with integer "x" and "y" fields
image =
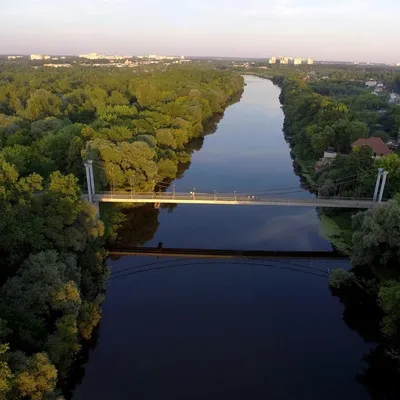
{"x": 336, "y": 226}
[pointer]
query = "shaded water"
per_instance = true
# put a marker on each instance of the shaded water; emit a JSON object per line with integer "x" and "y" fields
{"x": 195, "y": 329}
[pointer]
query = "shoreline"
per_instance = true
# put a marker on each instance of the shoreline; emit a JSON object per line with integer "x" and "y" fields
{"x": 334, "y": 228}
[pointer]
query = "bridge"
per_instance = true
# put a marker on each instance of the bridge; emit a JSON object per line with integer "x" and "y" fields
{"x": 118, "y": 250}
{"x": 158, "y": 198}
{"x": 271, "y": 198}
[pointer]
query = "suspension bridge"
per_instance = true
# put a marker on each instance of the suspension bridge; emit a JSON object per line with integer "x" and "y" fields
{"x": 273, "y": 197}
{"x": 229, "y": 199}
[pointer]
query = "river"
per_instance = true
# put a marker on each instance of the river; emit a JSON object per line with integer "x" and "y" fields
{"x": 191, "y": 329}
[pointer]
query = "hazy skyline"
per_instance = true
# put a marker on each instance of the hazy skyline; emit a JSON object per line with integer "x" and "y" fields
{"x": 335, "y": 30}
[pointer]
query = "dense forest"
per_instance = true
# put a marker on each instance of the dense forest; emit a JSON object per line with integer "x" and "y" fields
{"x": 137, "y": 128}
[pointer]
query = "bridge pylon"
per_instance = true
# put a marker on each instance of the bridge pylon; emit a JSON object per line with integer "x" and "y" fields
{"x": 90, "y": 179}
{"x": 377, "y": 184}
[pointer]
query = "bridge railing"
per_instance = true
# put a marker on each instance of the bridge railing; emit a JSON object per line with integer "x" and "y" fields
{"x": 221, "y": 196}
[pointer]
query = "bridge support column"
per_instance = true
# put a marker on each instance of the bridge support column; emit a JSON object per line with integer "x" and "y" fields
{"x": 97, "y": 205}
{"x": 88, "y": 180}
{"x": 378, "y": 181}
{"x": 385, "y": 174}
{"x": 90, "y": 162}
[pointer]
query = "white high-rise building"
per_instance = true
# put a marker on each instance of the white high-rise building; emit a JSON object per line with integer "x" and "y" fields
{"x": 298, "y": 61}
{"x": 36, "y": 57}
{"x": 272, "y": 60}
{"x": 310, "y": 61}
{"x": 284, "y": 60}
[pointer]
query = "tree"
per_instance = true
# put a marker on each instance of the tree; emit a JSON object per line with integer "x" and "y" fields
{"x": 166, "y": 169}
{"x": 63, "y": 344}
{"x": 38, "y": 378}
{"x": 346, "y": 132}
{"x": 165, "y": 138}
{"x": 391, "y": 164}
{"x": 28, "y": 298}
{"x": 389, "y": 300}
{"x": 376, "y": 237}
{"x": 339, "y": 277}
{"x": 117, "y": 99}
{"x": 6, "y": 374}
{"x": 42, "y": 104}
{"x": 89, "y": 317}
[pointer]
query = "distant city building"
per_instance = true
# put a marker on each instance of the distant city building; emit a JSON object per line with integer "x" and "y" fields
{"x": 297, "y": 61}
{"x": 95, "y": 56}
{"x": 57, "y": 65}
{"x": 283, "y": 60}
{"x": 14, "y": 57}
{"x": 157, "y": 57}
{"x": 272, "y": 60}
{"x": 36, "y": 57}
{"x": 90, "y": 56}
{"x": 310, "y": 61}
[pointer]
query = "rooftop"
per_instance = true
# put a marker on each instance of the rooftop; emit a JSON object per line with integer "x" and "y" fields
{"x": 375, "y": 143}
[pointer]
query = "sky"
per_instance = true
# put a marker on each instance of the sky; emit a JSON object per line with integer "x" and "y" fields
{"x": 354, "y": 30}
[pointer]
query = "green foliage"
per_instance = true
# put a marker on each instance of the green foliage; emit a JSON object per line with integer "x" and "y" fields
{"x": 391, "y": 164}
{"x": 62, "y": 113}
{"x": 38, "y": 377}
{"x": 377, "y": 236}
{"x": 6, "y": 374}
{"x": 136, "y": 128}
{"x": 63, "y": 344}
{"x": 41, "y": 104}
{"x": 340, "y": 277}
{"x": 89, "y": 317}
{"x": 165, "y": 138}
{"x": 167, "y": 169}
{"x": 389, "y": 300}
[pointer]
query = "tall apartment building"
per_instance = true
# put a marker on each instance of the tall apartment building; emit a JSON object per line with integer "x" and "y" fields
{"x": 284, "y": 60}
{"x": 272, "y": 60}
{"x": 91, "y": 56}
{"x": 298, "y": 61}
{"x": 36, "y": 57}
{"x": 310, "y": 61}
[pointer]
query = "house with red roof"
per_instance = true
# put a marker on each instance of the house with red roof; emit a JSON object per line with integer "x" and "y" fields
{"x": 376, "y": 144}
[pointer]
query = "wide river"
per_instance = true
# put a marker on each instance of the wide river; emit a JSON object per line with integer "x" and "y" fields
{"x": 192, "y": 329}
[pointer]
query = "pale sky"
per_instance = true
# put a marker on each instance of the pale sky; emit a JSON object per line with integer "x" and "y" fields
{"x": 364, "y": 30}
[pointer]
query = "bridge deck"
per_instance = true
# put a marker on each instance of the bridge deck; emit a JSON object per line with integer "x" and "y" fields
{"x": 231, "y": 199}
{"x": 223, "y": 253}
